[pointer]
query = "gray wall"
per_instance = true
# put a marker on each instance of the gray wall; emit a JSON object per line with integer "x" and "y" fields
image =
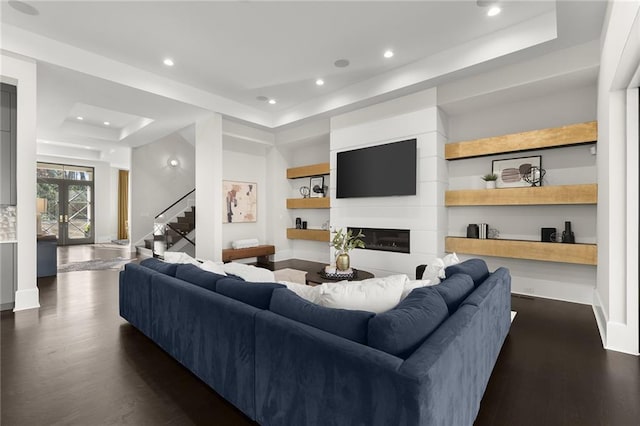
{"x": 154, "y": 184}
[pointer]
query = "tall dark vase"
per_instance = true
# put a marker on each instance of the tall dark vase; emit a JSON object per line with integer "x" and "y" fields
{"x": 567, "y": 234}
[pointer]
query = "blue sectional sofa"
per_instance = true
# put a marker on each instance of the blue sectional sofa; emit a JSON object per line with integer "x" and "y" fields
{"x": 285, "y": 361}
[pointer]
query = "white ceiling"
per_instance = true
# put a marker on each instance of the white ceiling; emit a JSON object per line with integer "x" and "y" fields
{"x": 101, "y": 57}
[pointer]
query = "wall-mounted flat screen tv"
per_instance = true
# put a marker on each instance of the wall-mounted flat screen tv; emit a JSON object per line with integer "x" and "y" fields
{"x": 377, "y": 171}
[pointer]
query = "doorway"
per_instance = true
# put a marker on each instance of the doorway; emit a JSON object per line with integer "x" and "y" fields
{"x": 66, "y": 202}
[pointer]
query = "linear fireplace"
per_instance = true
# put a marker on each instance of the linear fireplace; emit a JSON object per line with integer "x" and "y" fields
{"x": 394, "y": 240}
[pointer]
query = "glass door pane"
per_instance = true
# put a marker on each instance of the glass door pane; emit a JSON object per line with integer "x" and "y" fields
{"x": 79, "y": 216}
{"x": 50, "y": 217}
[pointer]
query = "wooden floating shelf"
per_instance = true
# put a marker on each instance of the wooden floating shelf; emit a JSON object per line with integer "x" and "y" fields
{"x": 308, "y": 234}
{"x": 543, "y": 195}
{"x": 308, "y": 171}
{"x": 308, "y": 203}
{"x": 573, "y": 134}
{"x": 582, "y": 254}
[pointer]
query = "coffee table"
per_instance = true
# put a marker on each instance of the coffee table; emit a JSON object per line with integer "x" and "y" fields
{"x": 313, "y": 270}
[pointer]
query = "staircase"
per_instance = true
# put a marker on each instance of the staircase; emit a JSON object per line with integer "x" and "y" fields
{"x": 173, "y": 229}
{"x": 173, "y": 233}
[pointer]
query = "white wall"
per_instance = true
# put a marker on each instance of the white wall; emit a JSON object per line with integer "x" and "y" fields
{"x": 413, "y": 116}
{"x": 105, "y": 195}
{"x": 616, "y": 295}
{"x": 306, "y": 154}
{"x": 22, "y": 73}
{"x": 564, "y": 166}
{"x": 246, "y": 164}
{"x": 154, "y": 184}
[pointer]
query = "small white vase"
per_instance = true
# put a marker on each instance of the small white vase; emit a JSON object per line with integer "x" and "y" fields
{"x": 491, "y": 184}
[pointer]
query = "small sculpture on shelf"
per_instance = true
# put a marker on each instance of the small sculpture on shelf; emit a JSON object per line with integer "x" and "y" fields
{"x": 534, "y": 176}
{"x": 567, "y": 234}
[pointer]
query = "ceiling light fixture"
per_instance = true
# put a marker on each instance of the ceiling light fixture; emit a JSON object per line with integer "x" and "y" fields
{"x": 79, "y": 118}
{"x": 341, "y": 63}
{"x": 319, "y": 82}
{"x": 168, "y": 62}
{"x": 493, "y": 11}
{"x": 272, "y": 101}
{"x": 388, "y": 54}
{"x": 106, "y": 123}
{"x": 23, "y": 7}
{"x": 173, "y": 162}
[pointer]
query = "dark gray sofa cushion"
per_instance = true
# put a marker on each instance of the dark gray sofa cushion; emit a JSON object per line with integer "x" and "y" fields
{"x": 454, "y": 290}
{"x": 402, "y": 329}
{"x": 160, "y": 266}
{"x": 475, "y": 268}
{"x": 350, "y": 324}
{"x": 254, "y": 294}
{"x": 194, "y": 275}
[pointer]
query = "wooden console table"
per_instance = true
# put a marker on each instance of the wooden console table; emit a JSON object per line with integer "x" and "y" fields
{"x": 261, "y": 252}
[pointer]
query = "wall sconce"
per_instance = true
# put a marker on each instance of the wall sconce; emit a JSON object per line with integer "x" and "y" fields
{"x": 173, "y": 163}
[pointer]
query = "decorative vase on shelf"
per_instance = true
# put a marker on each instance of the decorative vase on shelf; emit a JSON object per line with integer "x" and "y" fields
{"x": 343, "y": 262}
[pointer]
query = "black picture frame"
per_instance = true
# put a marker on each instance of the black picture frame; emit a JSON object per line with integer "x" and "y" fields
{"x": 316, "y": 186}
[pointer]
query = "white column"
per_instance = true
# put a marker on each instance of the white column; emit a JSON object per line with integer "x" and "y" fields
{"x": 209, "y": 188}
{"x": 22, "y": 73}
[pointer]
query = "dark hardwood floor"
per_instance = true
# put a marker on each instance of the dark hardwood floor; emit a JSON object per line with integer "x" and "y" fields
{"x": 74, "y": 361}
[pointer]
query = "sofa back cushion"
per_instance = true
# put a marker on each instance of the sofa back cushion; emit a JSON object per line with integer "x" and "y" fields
{"x": 350, "y": 324}
{"x": 475, "y": 268}
{"x": 160, "y": 266}
{"x": 194, "y": 275}
{"x": 402, "y": 329}
{"x": 454, "y": 290}
{"x": 254, "y": 294}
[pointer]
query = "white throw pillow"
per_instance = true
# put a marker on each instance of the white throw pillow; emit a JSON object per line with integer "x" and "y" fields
{"x": 211, "y": 266}
{"x": 373, "y": 295}
{"x": 307, "y": 292}
{"x": 179, "y": 257}
{"x": 434, "y": 271}
{"x": 249, "y": 272}
{"x": 411, "y": 285}
{"x": 450, "y": 259}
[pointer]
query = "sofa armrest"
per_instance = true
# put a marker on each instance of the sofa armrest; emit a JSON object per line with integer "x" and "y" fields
{"x": 311, "y": 377}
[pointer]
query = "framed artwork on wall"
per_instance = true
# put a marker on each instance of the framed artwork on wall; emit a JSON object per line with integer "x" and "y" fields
{"x": 511, "y": 172}
{"x": 240, "y": 202}
{"x": 317, "y": 187}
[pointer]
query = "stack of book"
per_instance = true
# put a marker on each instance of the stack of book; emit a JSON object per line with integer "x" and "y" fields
{"x": 483, "y": 230}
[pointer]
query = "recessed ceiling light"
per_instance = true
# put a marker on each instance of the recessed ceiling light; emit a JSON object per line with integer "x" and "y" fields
{"x": 493, "y": 11}
{"x": 388, "y": 54}
{"x": 168, "y": 62}
{"x": 319, "y": 82}
{"x": 341, "y": 63}
{"x": 106, "y": 123}
{"x": 272, "y": 101}
{"x": 79, "y": 118}
{"x": 24, "y": 7}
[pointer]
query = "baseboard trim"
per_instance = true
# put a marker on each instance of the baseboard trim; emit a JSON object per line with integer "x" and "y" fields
{"x": 27, "y": 299}
{"x": 601, "y": 319}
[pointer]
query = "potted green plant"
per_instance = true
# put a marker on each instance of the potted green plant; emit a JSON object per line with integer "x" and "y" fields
{"x": 343, "y": 242}
{"x": 490, "y": 180}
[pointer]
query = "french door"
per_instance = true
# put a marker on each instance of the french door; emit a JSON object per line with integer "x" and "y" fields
{"x": 68, "y": 211}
